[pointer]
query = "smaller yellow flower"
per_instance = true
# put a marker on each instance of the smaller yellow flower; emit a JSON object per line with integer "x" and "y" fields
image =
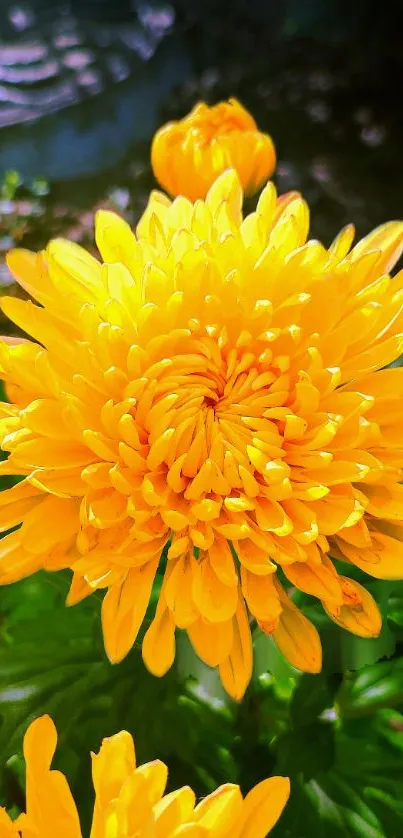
{"x": 130, "y": 800}
{"x": 187, "y": 156}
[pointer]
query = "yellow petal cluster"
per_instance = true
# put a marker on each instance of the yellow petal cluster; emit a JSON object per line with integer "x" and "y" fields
{"x": 130, "y": 800}
{"x": 188, "y": 155}
{"x": 215, "y": 387}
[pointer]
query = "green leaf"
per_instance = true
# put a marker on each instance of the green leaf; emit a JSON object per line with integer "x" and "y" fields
{"x": 341, "y": 809}
{"x": 360, "y": 795}
{"x": 343, "y": 753}
{"x": 52, "y": 661}
{"x": 269, "y": 660}
{"x": 374, "y": 687}
{"x": 11, "y": 181}
{"x": 395, "y": 610}
{"x": 358, "y": 652}
{"x": 306, "y": 751}
{"x": 313, "y": 695}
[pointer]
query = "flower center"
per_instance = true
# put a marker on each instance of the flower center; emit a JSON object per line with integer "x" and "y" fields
{"x": 217, "y": 424}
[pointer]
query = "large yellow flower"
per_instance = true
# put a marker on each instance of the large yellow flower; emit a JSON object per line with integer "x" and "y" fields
{"x": 187, "y": 156}
{"x": 130, "y": 801}
{"x": 215, "y": 386}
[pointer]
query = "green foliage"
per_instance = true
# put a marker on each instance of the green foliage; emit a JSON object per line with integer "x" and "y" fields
{"x": 373, "y": 688}
{"x": 12, "y": 181}
{"x": 338, "y": 735}
{"x": 356, "y": 783}
{"x": 9, "y": 185}
{"x": 52, "y": 661}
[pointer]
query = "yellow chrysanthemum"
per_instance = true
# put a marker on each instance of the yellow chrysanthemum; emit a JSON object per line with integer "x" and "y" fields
{"x": 130, "y": 801}
{"x": 216, "y": 385}
{"x": 187, "y": 156}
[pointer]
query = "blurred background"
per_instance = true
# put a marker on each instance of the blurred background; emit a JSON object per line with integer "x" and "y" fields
{"x": 83, "y": 86}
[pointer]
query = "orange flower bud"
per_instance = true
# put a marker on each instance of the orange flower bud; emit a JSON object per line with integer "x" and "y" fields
{"x": 188, "y": 155}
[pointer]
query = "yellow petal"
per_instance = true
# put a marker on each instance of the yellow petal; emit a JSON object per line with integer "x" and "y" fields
{"x": 383, "y": 559}
{"x": 378, "y": 355}
{"x": 178, "y": 591}
{"x": 261, "y": 595}
{"x": 155, "y": 774}
{"x": 189, "y": 830}
{"x": 172, "y": 810}
{"x": 30, "y": 272}
{"x": 72, "y": 269}
{"x": 385, "y": 501}
{"x": 158, "y": 647}
{"x": 113, "y": 763}
{"x": 236, "y": 670}
{"x": 111, "y": 768}
{"x": 50, "y": 806}
{"x": 226, "y": 188}
{"x": 16, "y": 503}
{"x": 263, "y": 806}
{"x": 16, "y": 563}
{"x": 47, "y": 453}
{"x": 359, "y": 613}
{"x": 79, "y": 590}
{"x": 115, "y": 240}
{"x": 388, "y": 240}
{"x": 315, "y": 579}
{"x": 220, "y": 811}
{"x": 222, "y": 562}
{"x": 64, "y": 514}
{"x": 124, "y": 608}
{"x": 297, "y": 638}
{"x": 342, "y": 243}
{"x": 215, "y": 600}
{"x": 8, "y": 829}
{"x": 211, "y": 641}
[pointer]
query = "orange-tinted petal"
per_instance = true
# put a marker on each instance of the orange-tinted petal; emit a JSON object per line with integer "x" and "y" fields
{"x": 236, "y": 670}
{"x": 124, "y": 608}
{"x": 359, "y": 612}
{"x": 158, "y": 648}
{"x": 297, "y": 638}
